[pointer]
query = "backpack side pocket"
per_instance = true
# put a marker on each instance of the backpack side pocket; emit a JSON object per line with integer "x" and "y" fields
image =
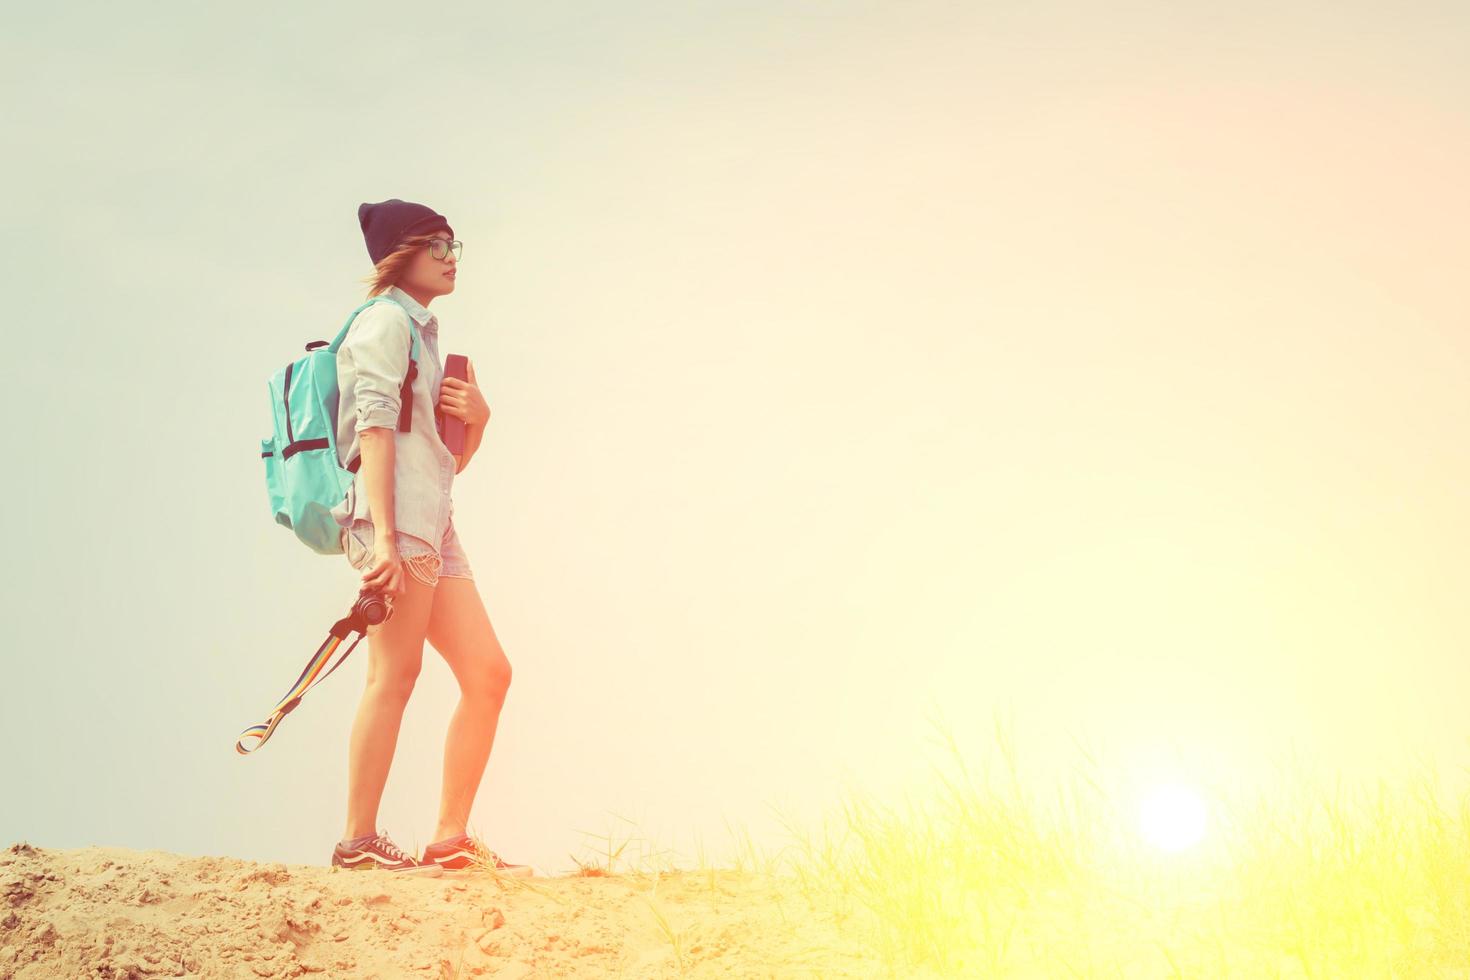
{"x": 275, "y": 484}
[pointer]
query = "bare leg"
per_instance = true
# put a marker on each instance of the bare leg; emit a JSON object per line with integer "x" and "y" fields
{"x": 460, "y": 630}
{"x": 395, "y": 654}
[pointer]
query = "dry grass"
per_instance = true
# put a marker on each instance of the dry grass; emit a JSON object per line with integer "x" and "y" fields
{"x": 977, "y": 879}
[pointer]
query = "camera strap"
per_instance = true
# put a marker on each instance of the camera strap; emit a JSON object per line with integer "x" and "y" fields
{"x": 311, "y": 676}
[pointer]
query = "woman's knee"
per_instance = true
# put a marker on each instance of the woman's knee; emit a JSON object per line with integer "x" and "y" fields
{"x": 393, "y": 682}
{"x": 396, "y": 646}
{"x": 490, "y": 682}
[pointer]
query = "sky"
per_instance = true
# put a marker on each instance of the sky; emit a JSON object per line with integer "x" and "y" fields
{"x": 856, "y": 370}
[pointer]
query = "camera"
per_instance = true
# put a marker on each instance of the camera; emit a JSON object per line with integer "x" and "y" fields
{"x": 373, "y": 607}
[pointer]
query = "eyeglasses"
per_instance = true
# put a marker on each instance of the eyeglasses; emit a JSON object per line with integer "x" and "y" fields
{"x": 439, "y": 248}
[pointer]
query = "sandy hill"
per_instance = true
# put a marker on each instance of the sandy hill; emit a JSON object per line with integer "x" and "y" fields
{"x": 113, "y": 912}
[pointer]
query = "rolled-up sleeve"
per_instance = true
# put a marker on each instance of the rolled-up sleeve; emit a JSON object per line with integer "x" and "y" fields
{"x": 377, "y": 348}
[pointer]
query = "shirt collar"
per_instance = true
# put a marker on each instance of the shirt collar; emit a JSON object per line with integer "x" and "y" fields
{"x": 426, "y": 321}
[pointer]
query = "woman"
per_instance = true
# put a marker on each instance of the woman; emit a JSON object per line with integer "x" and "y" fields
{"x": 397, "y": 530}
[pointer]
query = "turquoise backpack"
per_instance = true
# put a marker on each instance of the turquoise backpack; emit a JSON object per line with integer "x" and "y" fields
{"x": 303, "y": 477}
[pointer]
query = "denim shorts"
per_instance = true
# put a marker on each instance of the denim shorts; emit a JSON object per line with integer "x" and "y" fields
{"x": 422, "y": 560}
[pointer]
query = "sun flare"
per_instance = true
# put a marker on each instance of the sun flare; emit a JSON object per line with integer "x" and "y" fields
{"x": 1172, "y": 817}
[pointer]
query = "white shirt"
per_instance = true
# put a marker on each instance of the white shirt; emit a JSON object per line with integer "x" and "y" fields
{"x": 371, "y": 364}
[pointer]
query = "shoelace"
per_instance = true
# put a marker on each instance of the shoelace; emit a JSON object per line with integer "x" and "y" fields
{"x": 389, "y": 848}
{"x": 483, "y": 852}
{"x": 478, "y": 848}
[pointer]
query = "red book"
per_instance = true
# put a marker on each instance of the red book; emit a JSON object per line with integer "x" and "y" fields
{"x": 451, "y": 428}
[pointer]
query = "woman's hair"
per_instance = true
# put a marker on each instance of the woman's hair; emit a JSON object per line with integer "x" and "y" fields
{"x": 387, "y": 272}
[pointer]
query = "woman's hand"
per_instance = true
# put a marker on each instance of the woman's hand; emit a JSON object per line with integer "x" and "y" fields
{"x": 387, "y": 573}
{"x": 462, "y": 399}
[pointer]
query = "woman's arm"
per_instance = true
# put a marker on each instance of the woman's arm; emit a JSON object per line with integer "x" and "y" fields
{"x": 461, "y": 397}
{"x": 386, "y": 574}
{"x": 472, "y": 435}
{"x": 377, "y": 347}
{"x": 377, "y": 476}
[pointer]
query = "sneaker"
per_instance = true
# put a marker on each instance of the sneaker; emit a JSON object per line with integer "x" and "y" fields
{"x": 464, "y": 855}
{"x": 376, "y": 852}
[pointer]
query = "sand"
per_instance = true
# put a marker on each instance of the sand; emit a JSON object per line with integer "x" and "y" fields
{"x": 114, "y": 912}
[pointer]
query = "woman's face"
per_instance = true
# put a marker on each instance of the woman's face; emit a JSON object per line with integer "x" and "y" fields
{"x": 427, "y": 275}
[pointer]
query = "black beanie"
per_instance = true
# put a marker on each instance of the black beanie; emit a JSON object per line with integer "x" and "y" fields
{"x": 387, "y": 223}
